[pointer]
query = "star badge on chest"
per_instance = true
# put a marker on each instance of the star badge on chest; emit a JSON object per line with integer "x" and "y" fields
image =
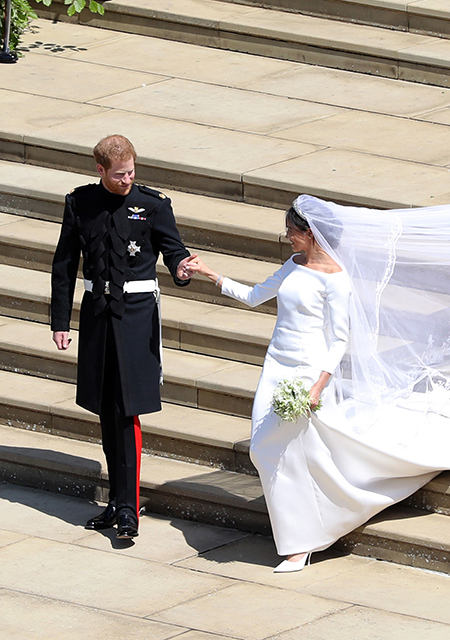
{"x": 133, "y": 248}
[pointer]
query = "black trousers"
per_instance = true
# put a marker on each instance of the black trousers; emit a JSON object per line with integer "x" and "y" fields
{"x": 121, "y": 436}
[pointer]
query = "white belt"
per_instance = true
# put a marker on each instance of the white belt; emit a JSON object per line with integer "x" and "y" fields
{"x": 140, "y": 286}
{"x": 132, "y": 286}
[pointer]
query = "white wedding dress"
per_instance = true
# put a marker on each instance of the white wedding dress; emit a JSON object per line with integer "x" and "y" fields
{"x": 321, "y": 476}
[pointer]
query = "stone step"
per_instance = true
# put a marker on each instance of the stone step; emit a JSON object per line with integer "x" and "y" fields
{"x": 214, "y": 496}
{"x": 181, "y": 432}
{"x": 190, "y": 491}
{"x": 226, "y": 124}
{"x": 22, "y": 263}
{"x": 189, "y": 325}
{"x": 404, "y": 536}
{"x": 429, "y": 16}
{"x": 420, "y": 57}
{"x": 178, "y": 431}
{"x": 204, "y": 222}
{"x": 190, "y": 379}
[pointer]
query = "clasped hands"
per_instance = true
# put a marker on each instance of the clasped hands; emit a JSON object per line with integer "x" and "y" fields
{"x": 190, "y": 266}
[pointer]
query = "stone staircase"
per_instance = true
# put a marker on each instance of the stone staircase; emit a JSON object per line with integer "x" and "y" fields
{"x": 356, "y": 35}
{"x": 196, "y": 463}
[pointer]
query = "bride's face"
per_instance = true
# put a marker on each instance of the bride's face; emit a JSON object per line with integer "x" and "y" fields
{"x": 300, "y": 240}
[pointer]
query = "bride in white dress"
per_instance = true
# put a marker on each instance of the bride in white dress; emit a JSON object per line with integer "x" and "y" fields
{"x": 383, "y": 429}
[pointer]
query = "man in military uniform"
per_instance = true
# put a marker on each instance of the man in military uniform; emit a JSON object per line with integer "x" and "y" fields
{"x": 119, "y": 228}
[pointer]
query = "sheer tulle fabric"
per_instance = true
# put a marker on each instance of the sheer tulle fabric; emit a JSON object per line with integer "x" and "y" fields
{"x": 398, "y": 262}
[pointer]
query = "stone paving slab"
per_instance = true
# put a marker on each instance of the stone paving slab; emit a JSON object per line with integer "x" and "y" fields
{"x": 200, "y": 64}
{"x": 335, "y": 174}
{"x": 354, "y": 91}
{"x": 218, "y": 106}
{"x": 370, "y": 624}
{"x": 61, "y": 518}
{"x": 427, "y": 529}
{"x": 328, "y": 33}
{"x": 212, "y": 613}
{"x": 80, "y": 87}
{"x": 267, "y": 32}
{"x": 379, "y": 135}
{"x": 42, "y": 618}
{"x": 36, "y": 520}
{"x": 27, "y": 112}
{"x": 187, "y": 147}
{"x": 64, "y": 572}
{"x": 156, "y": 56}
{"x": 384, "y": 586}
{"x": 248, "y": 559}
{"x": 217, "y": 160}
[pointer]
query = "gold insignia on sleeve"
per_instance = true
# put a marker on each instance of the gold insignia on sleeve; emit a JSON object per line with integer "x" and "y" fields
{"x": 162, "y": 195}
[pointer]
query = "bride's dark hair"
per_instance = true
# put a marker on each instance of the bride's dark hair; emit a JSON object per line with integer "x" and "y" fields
{"x": 330, "y": 227}
{"x": 297, "y": 220}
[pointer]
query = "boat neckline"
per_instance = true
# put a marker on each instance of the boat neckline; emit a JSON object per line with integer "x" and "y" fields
{"x": 327, "y": 273}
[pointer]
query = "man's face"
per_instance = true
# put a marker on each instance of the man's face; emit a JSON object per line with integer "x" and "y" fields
{"x": 119, "y": 177}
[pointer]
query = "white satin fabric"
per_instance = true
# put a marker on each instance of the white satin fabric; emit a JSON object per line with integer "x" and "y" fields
{"x": 324, "y": 476}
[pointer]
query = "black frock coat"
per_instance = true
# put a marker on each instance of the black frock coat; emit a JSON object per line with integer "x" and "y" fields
{"x": 120, "y": 236}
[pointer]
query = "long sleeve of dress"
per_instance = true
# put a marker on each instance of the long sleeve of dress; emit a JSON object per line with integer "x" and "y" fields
{"x": 253, "y": 296}
{"x": 338, "y": 298}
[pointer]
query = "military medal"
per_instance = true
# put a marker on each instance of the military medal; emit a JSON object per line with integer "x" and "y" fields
{"x": 136, "y": 211}
{"x": 133, "y": 248}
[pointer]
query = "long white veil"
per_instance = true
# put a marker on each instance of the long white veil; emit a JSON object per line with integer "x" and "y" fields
{"x": 398, "y": 262}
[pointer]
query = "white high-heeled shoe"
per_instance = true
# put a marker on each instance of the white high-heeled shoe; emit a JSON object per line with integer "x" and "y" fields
{"x": 287, "y": 565}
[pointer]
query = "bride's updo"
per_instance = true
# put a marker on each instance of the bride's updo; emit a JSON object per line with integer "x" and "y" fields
{"x": 297, "y": 219}
{"x": 329, "y": 226}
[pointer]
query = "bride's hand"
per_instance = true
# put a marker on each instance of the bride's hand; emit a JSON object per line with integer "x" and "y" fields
{"x": 314, "y": 397}
{"x": 198, "y": 266}
{"x": 317, "y": 388}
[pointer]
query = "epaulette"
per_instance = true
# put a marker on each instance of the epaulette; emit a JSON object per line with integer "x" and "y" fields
{"x": 83, "y": 187}
{"x": 151, "y": 192}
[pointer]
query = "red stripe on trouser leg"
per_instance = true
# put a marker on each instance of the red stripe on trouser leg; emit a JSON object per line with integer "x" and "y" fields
{"x": 138, "y": 441}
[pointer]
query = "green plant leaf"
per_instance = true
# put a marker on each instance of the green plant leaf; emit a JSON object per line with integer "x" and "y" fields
{"x": 79, "y": 5}
{"x": 95, "y": 7}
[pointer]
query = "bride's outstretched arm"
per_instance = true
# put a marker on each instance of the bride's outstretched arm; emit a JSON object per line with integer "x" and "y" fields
{"x": 253, "y": 296}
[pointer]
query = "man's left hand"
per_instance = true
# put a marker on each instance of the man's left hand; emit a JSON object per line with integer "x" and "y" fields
{"x": 183, "y": 271}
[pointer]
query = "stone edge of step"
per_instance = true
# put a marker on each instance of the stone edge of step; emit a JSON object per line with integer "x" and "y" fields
{"x": 382, "y": 13}
{"x": 176, "y": 488}
{"x": 211, "y": 30}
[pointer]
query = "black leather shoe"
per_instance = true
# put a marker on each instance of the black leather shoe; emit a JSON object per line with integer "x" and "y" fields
{"x": 104, "y": 520}
{"x": 126, "y": 526}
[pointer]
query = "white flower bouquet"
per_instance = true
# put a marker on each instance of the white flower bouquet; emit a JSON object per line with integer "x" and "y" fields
{"x": 291, "y": 400}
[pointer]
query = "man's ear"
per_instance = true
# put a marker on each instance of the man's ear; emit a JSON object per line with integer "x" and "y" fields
{"x": 101, "y": 170}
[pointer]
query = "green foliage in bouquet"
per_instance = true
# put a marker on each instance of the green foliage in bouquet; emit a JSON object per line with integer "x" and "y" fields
{"x": 291, "y": 400}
